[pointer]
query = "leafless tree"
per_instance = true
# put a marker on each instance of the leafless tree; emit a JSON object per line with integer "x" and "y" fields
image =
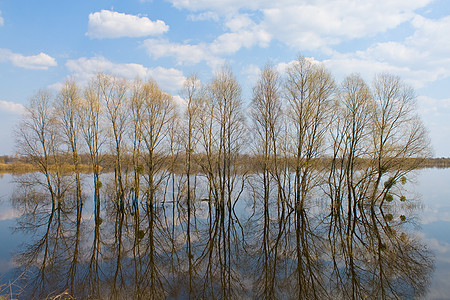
{"x": 157, "y": 117}
{"x": 399, "y": 138}
{"x": 309, "y": 88}
{"x": 114, "y": 94}
{"x": 267, "y": 116}
{"x": 39, "y": 140}
{"x": 68, "y": 106}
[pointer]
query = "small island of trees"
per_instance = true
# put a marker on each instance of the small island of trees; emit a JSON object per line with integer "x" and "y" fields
{"x": 303, "y": 141}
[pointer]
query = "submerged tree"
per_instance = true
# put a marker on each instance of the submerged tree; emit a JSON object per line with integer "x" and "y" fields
{"x": 351, "y": 146}
{"x": 399, "y": 138}
{"x": 39, "y": 139}
{"x": 309, "y": 88}
{"x": 267, "y": 116}
{"x": 223, "y": 133}
{"x": 68, "y": 105}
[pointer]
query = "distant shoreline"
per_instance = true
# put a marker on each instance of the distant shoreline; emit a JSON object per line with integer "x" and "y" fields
{"x": 22, "y": 165}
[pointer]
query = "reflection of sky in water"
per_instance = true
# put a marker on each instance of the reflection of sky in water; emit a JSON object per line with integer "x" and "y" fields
{"x": 431, "y": 184}
{"x": 9, "y": 241}
{"x": 434, "y": 186}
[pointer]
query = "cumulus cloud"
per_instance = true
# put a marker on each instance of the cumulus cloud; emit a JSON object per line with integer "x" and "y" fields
{"x": 311, "y": 25}
{"x": 230, "y": 43}
{"x": 419, "y": 59}
{"x": 40, "y": 61}
{"x": 344, "y": 64}
{"x": 303, "y": 25}
{"x": 183, "y": 53}
{"x": 282, "y": 67}
{"x": 84, "y": 68}
{"x": 111, "y": 24}
{"x": 244, "y": 33}
{"x": 11, "y": 107}
{"x": 424, "y": 48}
{"x": 239, "y": 21}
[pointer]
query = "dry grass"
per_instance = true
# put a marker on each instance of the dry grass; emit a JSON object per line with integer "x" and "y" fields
{"x": 22, "y": 168}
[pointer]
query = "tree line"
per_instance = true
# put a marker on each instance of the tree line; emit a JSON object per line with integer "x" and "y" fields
{"x": 296, "y": 120}
{"x": 302, "y": 141}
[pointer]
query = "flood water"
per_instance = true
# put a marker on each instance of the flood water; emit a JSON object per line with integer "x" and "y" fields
{"x": 245, "y": 248}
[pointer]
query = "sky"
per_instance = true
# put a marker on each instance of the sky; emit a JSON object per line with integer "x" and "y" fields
{"x": 42, "y": 43}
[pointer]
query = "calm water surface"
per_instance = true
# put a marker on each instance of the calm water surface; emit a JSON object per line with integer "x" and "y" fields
{"x": 244, "y": 250}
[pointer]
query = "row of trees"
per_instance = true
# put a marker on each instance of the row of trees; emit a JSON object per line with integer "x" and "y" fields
{"x": 295, "y": 119}
{"x": 306, "y": 138}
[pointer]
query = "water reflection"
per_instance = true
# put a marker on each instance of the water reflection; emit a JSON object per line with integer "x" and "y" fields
{"x": 249, "y": 242}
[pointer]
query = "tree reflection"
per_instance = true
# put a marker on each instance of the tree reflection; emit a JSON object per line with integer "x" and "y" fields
{"x": 202, "y": 249}
{"x": 51, "y": 260}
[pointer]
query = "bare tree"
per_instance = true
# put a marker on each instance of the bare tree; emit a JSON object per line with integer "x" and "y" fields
{"x": 223, "y": 133}
{"x": 38, "y": 139}
{"x": 114, "y": 95}
{"x": 399, "y": 138}
{"x": 92, "y": 130}
{"x": 93, "y": 133}
{"x": 157, "y": 115}
{"x": 308, "y": 89}
{"x": 193, "y": 95}
{"x": 226, "y": 132}
{"x": 68, "y": 107}
{"x": 267, "y": 116}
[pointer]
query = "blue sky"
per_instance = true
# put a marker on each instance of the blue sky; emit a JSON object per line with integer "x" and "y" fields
{"x": 44, "y": 42}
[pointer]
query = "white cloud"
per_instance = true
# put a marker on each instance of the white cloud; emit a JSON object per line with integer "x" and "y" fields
{"x": 169, "y": 79}
{"x": 419, "y": 59}
{"x": 230, "y": 43}
{"x": 244, "y": 34}
{"x": 303, "y": 25}
{"x": 2, "y": 21}
{"x": 425, "y": 49}
{"x": 431, "y": 33}
{"x": 219, "y": 6}
{"x": 204, "y": 16}
{"x": 311, "y": 25}
{"x": 111, "y": 24}
{"x": 239, "y": 22}
{"x": 11, "y": 107}
{"x": 40, "y": 61}
{"x": 183, "y": 53}
{"x": 84, "y": 68}
{"x": 342, "y": 65}
{"x": 436, "y": 245}
{"x": 282, "y": 66}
